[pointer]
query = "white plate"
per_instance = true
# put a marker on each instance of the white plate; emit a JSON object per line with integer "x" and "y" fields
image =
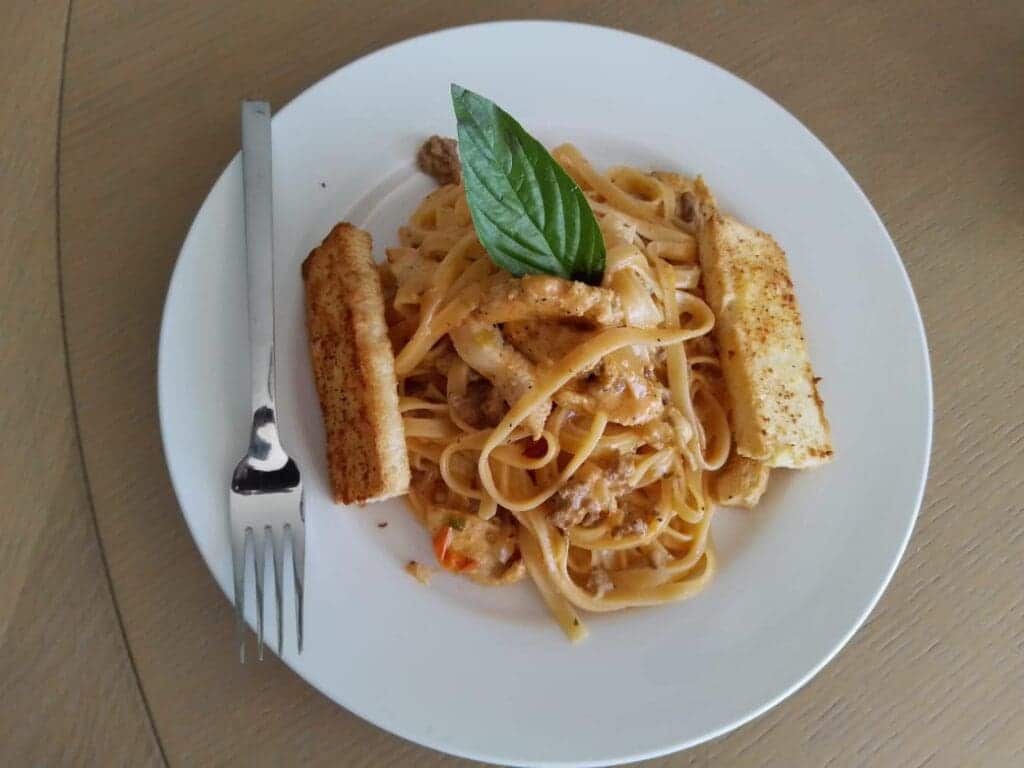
{"x": 484, "y": 673}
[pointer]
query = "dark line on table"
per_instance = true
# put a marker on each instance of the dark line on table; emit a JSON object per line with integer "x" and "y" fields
{"x": 74, "y": 402}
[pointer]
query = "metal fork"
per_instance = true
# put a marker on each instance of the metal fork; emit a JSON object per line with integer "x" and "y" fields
{"x": 266, "y": 498}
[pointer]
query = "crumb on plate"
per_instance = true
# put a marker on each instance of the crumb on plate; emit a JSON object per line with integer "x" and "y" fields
{"x": 419, "y": 571}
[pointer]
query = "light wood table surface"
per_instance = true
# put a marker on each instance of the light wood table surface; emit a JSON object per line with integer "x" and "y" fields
{"x": 115, "y": 119}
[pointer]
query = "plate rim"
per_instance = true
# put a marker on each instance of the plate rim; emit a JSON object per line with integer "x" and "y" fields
{"x": 175, "y": 280}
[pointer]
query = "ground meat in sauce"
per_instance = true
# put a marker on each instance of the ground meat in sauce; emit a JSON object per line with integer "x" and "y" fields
{"x": 439, "y": 157}
{"x": 481, "y": 407}
{"x": 629, "y": 396}
{"x": 658, "y": 557}
{"x": 599, "y": 582}
{"x": 590, "y": 494}
{"x": 635, "y": 527}
{"x": 657, "y": 434}
{"x": 493, "y": 408}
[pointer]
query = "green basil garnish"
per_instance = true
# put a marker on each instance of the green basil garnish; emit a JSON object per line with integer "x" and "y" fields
{"x": 530, "y": 216}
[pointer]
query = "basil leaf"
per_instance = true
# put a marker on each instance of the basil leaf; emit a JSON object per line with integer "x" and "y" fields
{"x": 529, "y": 214}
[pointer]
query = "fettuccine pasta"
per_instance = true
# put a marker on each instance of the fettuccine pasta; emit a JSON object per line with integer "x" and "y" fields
{"x": 559, "y": 430}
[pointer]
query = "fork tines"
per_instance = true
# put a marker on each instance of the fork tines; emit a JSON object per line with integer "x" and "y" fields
{"x": 261, "y": 516}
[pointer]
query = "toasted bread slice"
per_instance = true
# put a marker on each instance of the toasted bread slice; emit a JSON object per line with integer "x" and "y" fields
{"x": 777, "y": 416}
{"x": 354, "y": 369}
{"x": 740, "y": 482}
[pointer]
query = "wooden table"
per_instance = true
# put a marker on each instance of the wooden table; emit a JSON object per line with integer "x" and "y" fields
{"x": 115, "y": 118}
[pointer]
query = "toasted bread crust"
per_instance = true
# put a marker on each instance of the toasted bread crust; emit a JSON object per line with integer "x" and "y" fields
{"x": 777, "y": 416}
{"x": 354, "y": 369}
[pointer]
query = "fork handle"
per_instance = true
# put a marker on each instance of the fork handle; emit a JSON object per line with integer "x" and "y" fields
{"x": 259, "y": 248}
{"x": 265, "y": 446}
